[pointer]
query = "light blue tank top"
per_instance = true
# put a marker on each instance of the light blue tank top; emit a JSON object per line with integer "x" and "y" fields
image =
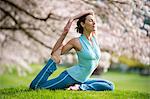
{"x": 88, "y": 59}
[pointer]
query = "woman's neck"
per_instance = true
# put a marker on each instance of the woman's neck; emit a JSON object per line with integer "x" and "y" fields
{"x": 88, "y": 35}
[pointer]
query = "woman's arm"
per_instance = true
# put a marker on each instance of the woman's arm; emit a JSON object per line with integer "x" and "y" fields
{"x": 64, "y": 49}
{"x": 66, "y": 30}
{"x": 73, "y": 43}
{"x": 62, "y": 37}
{"x": 58, "y": 48}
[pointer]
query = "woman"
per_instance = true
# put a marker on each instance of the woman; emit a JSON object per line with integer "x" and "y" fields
{"x": 88, "y": 51}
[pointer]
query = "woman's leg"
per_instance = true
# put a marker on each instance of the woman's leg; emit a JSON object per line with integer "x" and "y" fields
{"x": 43, "y": 75}
{"x": 63, "y": 81}
{"x": 97, "y": 85}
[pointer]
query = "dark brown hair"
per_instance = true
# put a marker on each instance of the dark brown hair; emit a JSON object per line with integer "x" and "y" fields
{"x": 79, "y": 26}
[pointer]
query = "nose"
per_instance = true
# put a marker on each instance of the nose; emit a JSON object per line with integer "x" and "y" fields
{"x": 93, "y": 22}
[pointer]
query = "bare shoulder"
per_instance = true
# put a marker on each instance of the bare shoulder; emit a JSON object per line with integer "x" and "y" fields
{"x": 76, "y": 43}
{"x": 75, "y": 40}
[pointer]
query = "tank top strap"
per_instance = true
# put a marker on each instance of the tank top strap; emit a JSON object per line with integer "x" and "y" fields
{"x": 83, "y": 42}
{"x": 95, "y": 40}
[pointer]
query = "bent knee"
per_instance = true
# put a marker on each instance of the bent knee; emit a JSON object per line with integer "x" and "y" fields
{"x": 33, "y": 86}
{"x": 112, "y": 87}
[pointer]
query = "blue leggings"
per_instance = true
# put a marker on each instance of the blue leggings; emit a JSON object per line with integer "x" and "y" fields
{"x": 64, "y": 80}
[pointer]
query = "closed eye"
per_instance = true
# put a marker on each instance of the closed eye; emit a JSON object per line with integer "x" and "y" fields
{"x": 91, "y": 20}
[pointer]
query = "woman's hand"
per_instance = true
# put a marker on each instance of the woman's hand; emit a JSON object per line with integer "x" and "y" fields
{"x": 83, "y": 13}
{"x": 68, "y": 25}
{"x": 62, "y": 37}
{"x": 56, "y": 58}
{"x": 56, "y": 55}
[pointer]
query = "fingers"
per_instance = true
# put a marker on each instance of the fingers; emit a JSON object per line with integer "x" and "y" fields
{"x": 56, "y": 59}
{"x": 91, "y": 11}
{"x": 68, "y": 25}
{"x": 56, "y": 55}
{"x": 83, "y": 13}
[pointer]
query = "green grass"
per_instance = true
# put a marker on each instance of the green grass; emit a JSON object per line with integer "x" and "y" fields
{"x": 127, "y": 86}
{"x": 22, "y": 93}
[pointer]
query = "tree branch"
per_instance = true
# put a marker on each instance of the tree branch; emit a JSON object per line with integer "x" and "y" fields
{"x": 3, "y": 17}
{"x": 17, "y": 28}
{"x": 115, "y": 1}
{"x": 7, "y": 13}
{"x": 23, "y": 29}
{"x": 23, "y": 10}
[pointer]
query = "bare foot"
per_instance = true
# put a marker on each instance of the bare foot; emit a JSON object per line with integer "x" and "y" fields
{"x": 75, "y": 87}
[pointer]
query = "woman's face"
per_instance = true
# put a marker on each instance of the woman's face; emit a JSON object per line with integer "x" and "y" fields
{"x": 89, "y": 24}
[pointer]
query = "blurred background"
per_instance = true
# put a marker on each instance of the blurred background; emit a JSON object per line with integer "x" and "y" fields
{"x": 30, "y": 28}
